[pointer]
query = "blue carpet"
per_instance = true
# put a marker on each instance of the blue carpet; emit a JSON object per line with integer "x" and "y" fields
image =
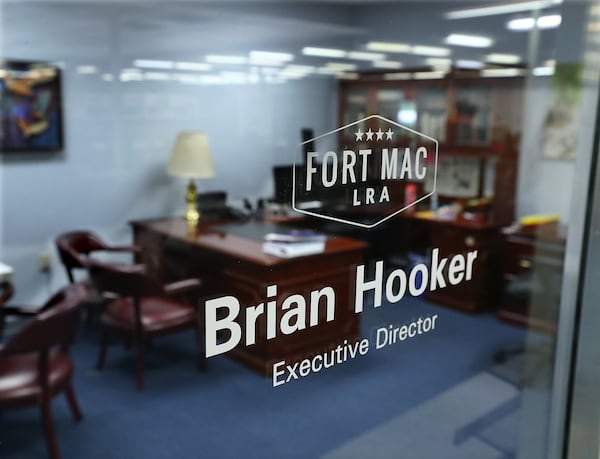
{"x": 232, "y": 412}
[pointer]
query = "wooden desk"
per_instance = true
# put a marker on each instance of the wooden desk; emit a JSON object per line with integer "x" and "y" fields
{"x": 233, "y": 265}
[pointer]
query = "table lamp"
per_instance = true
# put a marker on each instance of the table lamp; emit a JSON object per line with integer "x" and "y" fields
{"x": 191, "y": 158}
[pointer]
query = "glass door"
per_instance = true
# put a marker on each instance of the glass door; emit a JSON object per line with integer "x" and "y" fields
{"x": 388, "y": 208}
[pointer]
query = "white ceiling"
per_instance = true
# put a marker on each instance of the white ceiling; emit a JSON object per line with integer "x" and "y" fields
{"x": 100, "y": 30}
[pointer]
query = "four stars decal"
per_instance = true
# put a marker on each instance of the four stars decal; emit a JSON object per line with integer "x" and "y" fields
{"x": 379, "y": 134}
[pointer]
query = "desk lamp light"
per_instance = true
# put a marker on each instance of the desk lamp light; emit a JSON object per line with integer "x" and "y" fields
{"x": 191, "y": 158}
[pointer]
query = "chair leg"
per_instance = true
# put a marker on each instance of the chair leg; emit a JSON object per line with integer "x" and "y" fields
{"x": 72, "y": 400}
{"x": 49, "y": 428}
{"x": 200, "y": 351}
{"x": 139, "y": 367}
{"x": 103, "y": 348}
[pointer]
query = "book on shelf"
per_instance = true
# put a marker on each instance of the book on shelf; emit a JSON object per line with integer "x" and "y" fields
{"x": 293, "y": 249}
{"x": 296, "y": 236}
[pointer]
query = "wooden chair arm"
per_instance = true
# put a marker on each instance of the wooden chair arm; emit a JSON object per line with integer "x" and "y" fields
{"x": 183, "y": 286}
{"x": 22, "y": 311}
{"x": 122, "y": 248}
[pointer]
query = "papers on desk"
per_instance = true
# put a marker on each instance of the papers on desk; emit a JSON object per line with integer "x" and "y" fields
{"x": 293, "y": 249}
{"x": 6, "y": 272}
{"x": 294, "y": 243}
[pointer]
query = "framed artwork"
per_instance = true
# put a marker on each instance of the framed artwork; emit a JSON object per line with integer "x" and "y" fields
{"x": 30, "y": 107}
{"x": 457, "y": 177}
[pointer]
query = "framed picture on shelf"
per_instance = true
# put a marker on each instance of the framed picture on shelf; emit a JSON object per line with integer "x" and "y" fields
{"x": 457, "y": 177}
{"x": 31, "y": 107}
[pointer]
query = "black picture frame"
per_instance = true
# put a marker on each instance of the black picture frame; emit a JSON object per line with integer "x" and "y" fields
{"x": 31, "y": 109}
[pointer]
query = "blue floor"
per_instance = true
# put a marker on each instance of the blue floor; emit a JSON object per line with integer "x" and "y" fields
{"x": 232, "y": 412}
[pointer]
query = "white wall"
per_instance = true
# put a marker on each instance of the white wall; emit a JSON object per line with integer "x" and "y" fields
{"x": 118, "y": 138}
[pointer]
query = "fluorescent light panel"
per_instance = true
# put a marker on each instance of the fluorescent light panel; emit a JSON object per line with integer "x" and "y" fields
{"x": 469, "y": 64}
{"x": 226, "y": 59}
{"x": 271, "y": 56}
{"x": 549, "y": 22}
{"x": 471, "y": 41}
{"x": 364, "y": 56}
{"x": 433, "y": 51}
{"x": 500, "y": 9}
{"x": 387, "y": 64}
{"x": 388, "y": 47}
{"x": 429, "y": 75}
{"x": 340, "y": 66}
{"x": 543, "y": 71}
{"x": 323, "y": 52}
{"x": 543, "y": 22}
{"x": 500, "y": 72}
{"x": 193, "y": 66}
{"x": 153, "y": 64}
{"x": 501, "y": 58}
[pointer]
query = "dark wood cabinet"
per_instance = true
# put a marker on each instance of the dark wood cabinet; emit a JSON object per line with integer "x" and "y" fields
{"x": 472, "y": 117}
{"x": 483, "y": 291}
{"x": 533, "y": 263}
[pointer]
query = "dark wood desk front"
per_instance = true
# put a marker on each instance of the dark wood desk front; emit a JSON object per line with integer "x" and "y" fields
{"x": 233, "y": 265}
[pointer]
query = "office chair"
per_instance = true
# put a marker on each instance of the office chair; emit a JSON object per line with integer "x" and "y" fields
{"x": 144, "y": 309}
{"x": 73, "y": 248}
{"x": 28, "y": 312}
{"x": 35, "y": 364}
{"x": 7, "y": 291}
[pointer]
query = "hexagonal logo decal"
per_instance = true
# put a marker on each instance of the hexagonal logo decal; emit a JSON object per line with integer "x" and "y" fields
{"x": 365, "y": 172}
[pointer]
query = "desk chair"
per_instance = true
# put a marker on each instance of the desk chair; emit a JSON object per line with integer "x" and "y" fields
{"x": 73, "y": 248}
{"x": 35, "y": 364}
{"x": 28, "y": 312}
{"x": 144, "y": 309}
{"x": 6, "y": 293}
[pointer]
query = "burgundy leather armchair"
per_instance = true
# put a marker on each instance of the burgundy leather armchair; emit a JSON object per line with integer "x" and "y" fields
{"x": 35, "y": 364}
{"x": 144, "y": 309}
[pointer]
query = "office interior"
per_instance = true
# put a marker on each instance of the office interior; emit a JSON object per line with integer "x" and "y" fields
{"x": 249, "y": 76}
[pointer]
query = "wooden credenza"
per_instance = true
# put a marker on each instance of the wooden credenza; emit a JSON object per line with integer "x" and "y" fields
{"x": 229, "y": 264}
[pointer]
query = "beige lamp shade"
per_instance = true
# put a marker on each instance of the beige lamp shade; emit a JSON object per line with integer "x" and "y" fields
{"x": 191, "y": 156}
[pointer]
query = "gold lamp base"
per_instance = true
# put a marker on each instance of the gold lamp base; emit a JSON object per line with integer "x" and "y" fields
{"x": 191, "y": 215}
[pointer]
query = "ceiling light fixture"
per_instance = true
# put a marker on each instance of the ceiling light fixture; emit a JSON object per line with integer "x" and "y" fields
{"x": 436, "y": 75}
{"x": 501, "y": 9}
{"x": 543, "y": 22}
{"x": 471, "y": 41}
{"x": 501, "y": 58}
{"x": 226, "y": 59}
{"x": 341, "y": 66}
{"x": 543, "y": 71}
{"x": 549, "y": 22}
{"x": 430, "y": 51}
{"x": 323, "y": 52}
{"x": 387, "y": 64}
{"x": 388, "y": 47}
{"x": 469, "y": 64}
{"x": 501, "y": 72}
{"x": 271, "y": 56}
{"x": 193, "y": 66}
{"x": 364, "y": 56}
{"x": 153, "y": 64}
